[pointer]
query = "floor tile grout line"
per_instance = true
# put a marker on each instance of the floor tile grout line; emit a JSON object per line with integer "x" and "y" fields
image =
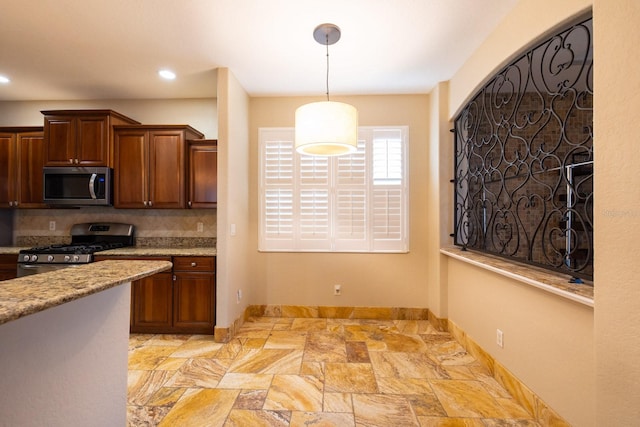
{"x": 382, "y": 328}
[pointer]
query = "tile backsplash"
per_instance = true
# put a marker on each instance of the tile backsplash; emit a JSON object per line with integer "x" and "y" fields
{"x": 168, "y": 225}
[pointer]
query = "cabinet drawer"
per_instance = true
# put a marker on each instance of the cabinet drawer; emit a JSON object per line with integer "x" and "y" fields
{"x": 184, "y": 263}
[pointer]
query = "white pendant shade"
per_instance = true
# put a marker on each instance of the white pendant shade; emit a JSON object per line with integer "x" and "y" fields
{"x": 326, "y": 129}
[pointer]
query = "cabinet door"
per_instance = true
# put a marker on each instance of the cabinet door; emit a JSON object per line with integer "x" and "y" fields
{"x": 7, "y": 169}
{"x": 60, "y": 134}
{"x": 30, "y": 164}
{"x": 92, "y": 147}
{"x": 8, "y": 266}
{"x": 194, "y": 302}
{"x": 203, "y": 176}
{"x": 131, "y": 170}
{"x": 166, "y": 169}
{"x": 152, "y": 303}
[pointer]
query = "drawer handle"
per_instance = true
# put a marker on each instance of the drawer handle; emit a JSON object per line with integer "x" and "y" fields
{"x": 193, "y": 264}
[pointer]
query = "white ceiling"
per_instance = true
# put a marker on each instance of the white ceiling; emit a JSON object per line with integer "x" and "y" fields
{"x": 112, "y": 49}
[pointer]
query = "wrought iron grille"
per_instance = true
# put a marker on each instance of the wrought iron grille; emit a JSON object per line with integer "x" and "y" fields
{"x": 524, "y": 158}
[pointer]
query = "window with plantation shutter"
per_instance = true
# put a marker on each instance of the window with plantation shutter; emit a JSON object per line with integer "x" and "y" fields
{"x": 351, "y": 203}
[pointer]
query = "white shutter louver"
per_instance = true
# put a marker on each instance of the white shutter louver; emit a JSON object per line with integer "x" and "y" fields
{"x": 351, "y": 200}
{"x": 278, "y": 215}
{"x": 314, "y": 219}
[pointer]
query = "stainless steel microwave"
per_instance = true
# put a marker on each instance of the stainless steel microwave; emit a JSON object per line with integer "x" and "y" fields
{"x": 78, "y": 186}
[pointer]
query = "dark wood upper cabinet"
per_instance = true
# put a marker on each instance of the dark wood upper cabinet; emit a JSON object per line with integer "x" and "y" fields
{"x": 81, "y": 137}
{"x": 202, "y": 166}
{"x": 150, "y": 165}
{"x": 21, "y": 163}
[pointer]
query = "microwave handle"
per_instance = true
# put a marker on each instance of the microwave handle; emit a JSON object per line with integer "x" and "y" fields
{"x": 92, "y": 185}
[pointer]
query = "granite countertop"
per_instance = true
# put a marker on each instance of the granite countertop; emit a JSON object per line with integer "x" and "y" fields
{"x": 153, "y": 251}
{"x": 11, "y": 250}
{"x": 136, "y": 251}
{"x": 32, "y": 294}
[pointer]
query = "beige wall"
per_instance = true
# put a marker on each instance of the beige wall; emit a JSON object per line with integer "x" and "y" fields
{"x": 439, "y": 197}
{"x": 201, "y": 114}
{"x": 235, "y": 257}
{"x": 386, "y": 280}
{"x": 617, "y": 212}
{"x": 530, "y": 20}
{"x": 549, "y": 341}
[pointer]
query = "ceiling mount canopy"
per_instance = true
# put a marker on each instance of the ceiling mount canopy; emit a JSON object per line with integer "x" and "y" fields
{"x": 326, "y": 128}
{"x": 327, "y": 34}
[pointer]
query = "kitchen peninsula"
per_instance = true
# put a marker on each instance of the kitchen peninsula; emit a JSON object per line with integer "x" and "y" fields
{"x": 63, "y": 344}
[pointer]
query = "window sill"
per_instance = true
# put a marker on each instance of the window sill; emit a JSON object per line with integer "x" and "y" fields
{"x": 554, "y": 283}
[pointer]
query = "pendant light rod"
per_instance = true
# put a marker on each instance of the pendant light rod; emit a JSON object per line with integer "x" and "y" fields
{"x": 327, "y": 34}
{"x": 327, "y": 67}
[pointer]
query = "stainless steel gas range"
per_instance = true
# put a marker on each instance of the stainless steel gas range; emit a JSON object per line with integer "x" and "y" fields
{"x": 86, "y": 239}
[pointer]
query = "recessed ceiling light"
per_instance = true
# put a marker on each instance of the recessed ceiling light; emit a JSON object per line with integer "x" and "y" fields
{"x": 4, "y": 79}
{"x": 167, "y": 74}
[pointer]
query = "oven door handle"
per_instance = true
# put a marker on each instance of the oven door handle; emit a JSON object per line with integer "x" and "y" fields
{"x": 29, "y": 266}
{"x": 92, "y": 185}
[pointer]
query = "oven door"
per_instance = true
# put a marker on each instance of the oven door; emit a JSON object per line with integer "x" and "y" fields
{"x": 29, "y": 269}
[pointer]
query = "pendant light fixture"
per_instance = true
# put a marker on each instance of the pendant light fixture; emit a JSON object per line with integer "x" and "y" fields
{"x": 326, "y": 128}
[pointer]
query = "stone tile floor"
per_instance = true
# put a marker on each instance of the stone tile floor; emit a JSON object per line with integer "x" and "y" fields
{"x": 315, "y": 372}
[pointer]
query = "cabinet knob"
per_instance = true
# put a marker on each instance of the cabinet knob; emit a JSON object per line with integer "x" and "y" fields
{"x": 71, "y": 161}
{"x": 10, "y": 203}
{"x": 15, "y": 203}
{"x": 150, "y": 203}
{"x": 193, "y": 264}
{"x": 144, "y": 202}
{"x": 189, "y": 203}
{"x": 77, "y": 161}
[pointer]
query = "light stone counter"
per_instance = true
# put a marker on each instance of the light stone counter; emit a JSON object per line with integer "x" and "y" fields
{"x": 11, "y": 250}
{"x": 135, "y": 251}
{"x": 154, "y": 251}
{"x": 31, "y": 294}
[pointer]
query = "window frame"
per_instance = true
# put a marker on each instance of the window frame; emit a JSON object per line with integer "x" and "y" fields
{"x": 350, "y": 189}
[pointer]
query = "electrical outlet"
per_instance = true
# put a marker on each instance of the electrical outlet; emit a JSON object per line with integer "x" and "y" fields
{"x": 337, "y": 289}
{"x": 200, "y": 227}
{"x": 52, "y": 226}
{"x": 499, "y": 338}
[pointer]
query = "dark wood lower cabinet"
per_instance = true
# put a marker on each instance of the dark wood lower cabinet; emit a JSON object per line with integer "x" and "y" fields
{"x": 180, "y": 301}
{"x": 8, "y": 266}
{"x": 193, "y": 302}
{"x": 151, "y": 303}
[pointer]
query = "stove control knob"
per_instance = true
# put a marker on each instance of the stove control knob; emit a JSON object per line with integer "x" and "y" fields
{"x": 50, "y": 258}
{"x": 26, "y": 258}
{"x": 67, "y": 258}
{"x": 34, "y": 258}
{"x": 76, "y": 258}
